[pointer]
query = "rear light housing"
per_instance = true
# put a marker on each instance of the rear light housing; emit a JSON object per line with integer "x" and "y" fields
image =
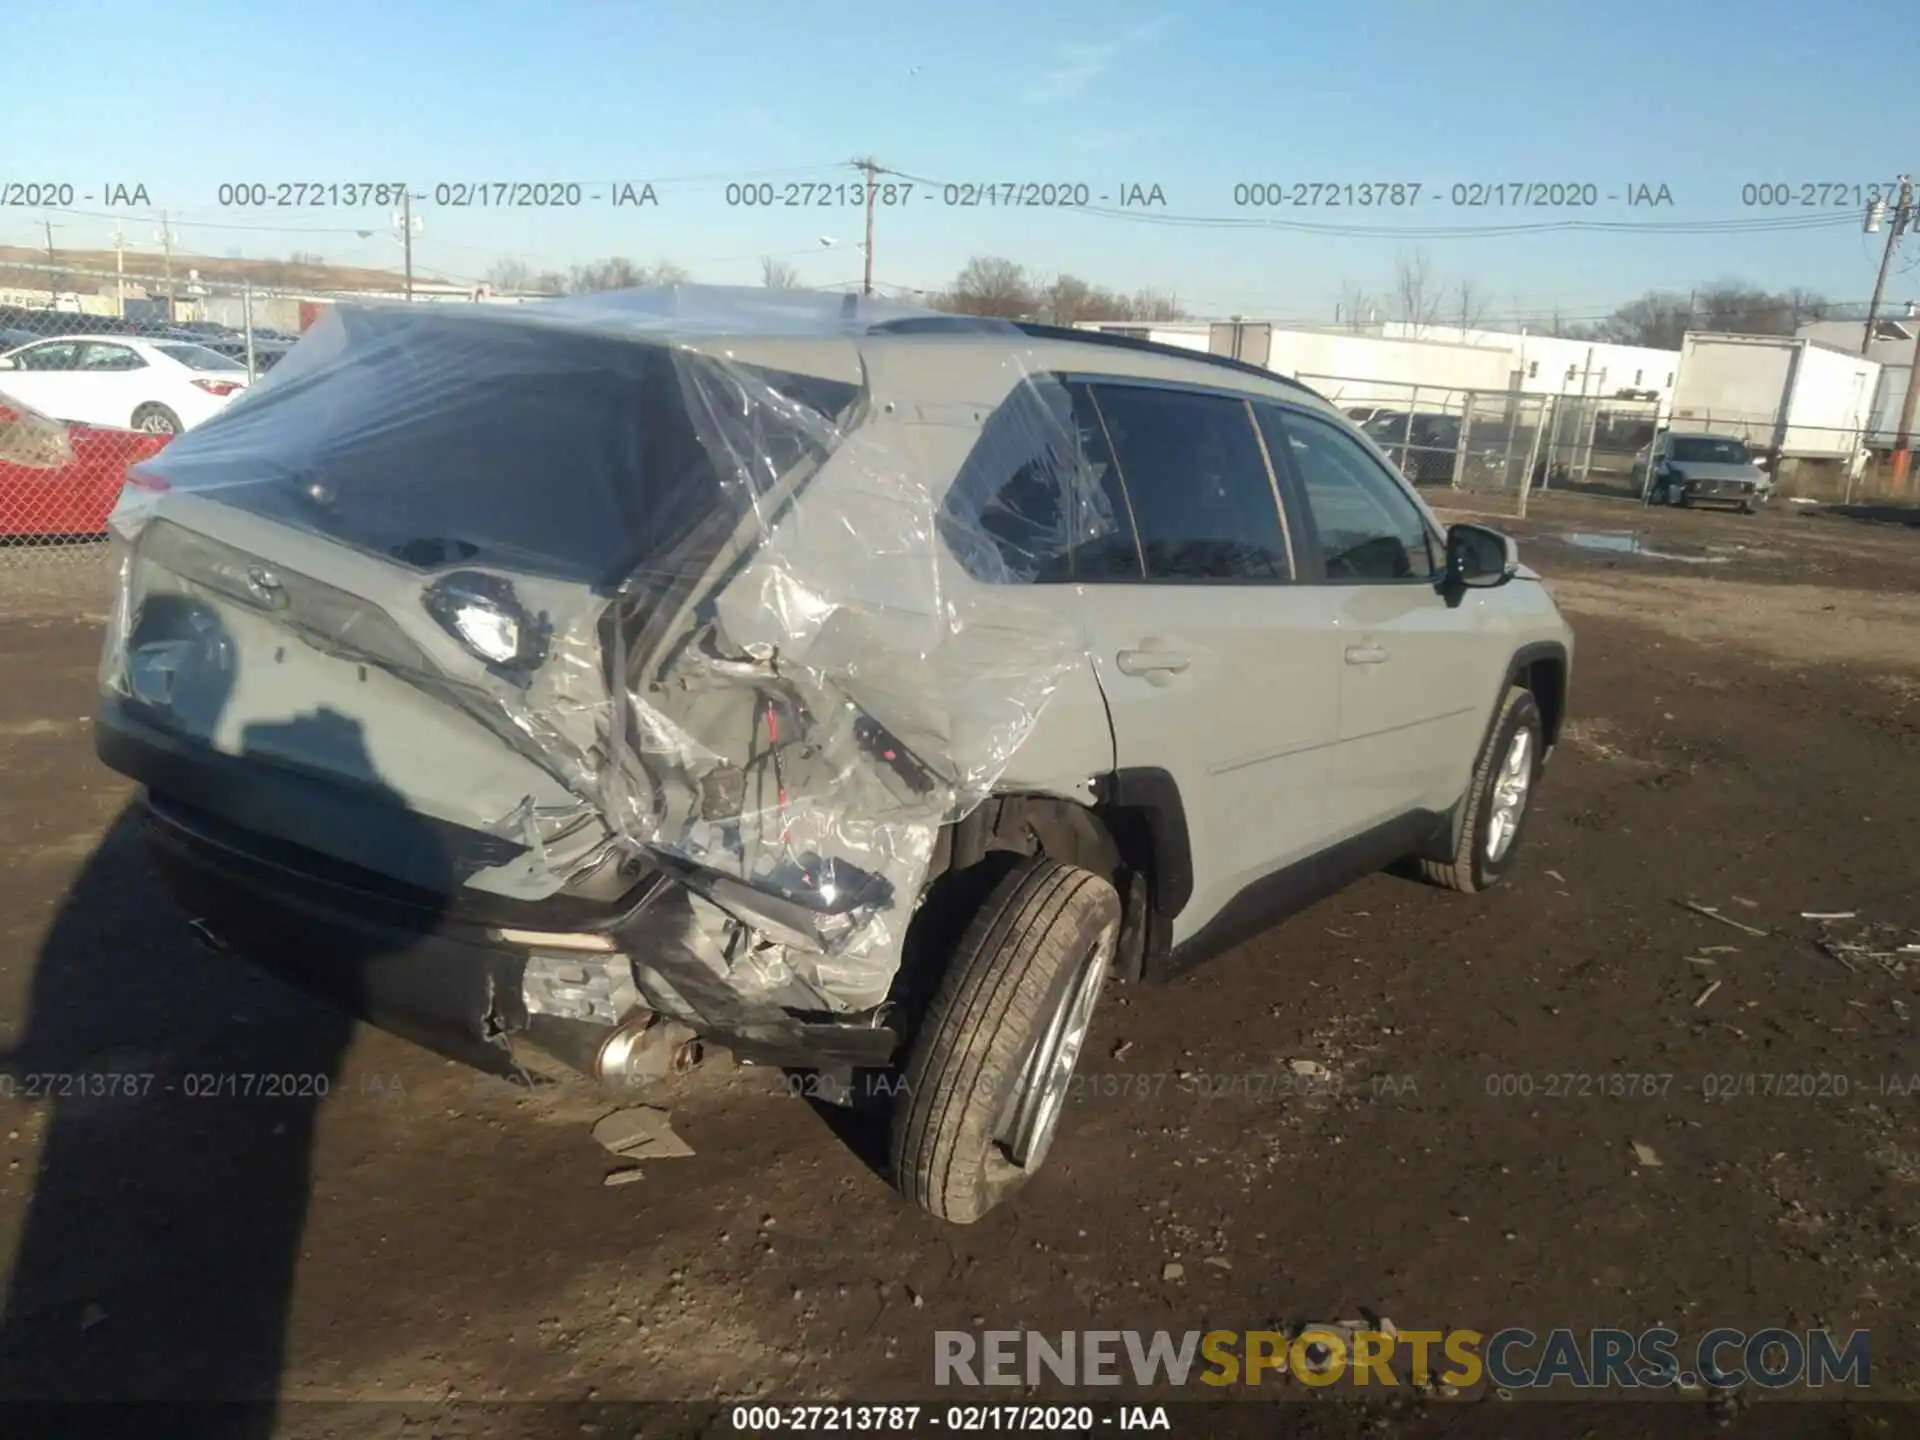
{"x": 218, "y": 387}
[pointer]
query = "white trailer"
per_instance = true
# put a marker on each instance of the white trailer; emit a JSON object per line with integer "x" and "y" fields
{"x": 1795, "y": 396}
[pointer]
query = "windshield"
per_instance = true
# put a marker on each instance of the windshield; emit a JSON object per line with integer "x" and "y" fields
{"x": 199, "y": 357}
{"x": 1703, "y": 450}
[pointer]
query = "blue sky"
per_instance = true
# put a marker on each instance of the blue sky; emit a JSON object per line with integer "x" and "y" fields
{"x": 1699, "y": 97}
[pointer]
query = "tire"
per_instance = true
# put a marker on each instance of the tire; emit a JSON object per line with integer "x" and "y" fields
{"x": 1473, "y": 868}
{"x": 156, "y": 420}
{"x": 1036, "y": 953}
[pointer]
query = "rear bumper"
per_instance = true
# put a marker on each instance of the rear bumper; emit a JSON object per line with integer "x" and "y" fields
{"x": 435, "y": 969}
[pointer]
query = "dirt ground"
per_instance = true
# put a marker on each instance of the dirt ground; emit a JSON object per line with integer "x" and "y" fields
{"x": 1745, "y": 733}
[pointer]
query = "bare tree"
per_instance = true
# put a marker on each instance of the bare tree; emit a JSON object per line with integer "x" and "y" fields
{"x": 1355, "y": 307}
{"x": 510, "y": 274}
{"x": 1661, "y": 317}
{"x": 306, "y": 257}
{"x": 1469, "y": 305}
{"x": 778, "y": 274}
{"x": 1416, "y": 294}
{"x": 991, "y": 285}
{"x": 1153, "y": 304}
{"x": 620, "y": 273}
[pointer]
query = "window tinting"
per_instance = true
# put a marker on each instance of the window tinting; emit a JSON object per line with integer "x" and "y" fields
{"x": 1369, "y": 530}
{"x": 1201, "y": 497}
{"x": 1037, "y": 500}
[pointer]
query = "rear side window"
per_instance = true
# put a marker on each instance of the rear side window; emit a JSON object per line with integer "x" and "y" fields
{"x": 1201, "y": 496}
{"x": 1368, "y": 529}
{"x": 1037, "y": 501}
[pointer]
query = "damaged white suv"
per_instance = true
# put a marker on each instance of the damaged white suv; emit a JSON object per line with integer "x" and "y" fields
{"x": 850, "y": 686}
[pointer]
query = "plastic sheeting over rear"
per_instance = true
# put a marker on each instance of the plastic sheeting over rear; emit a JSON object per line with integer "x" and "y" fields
{"x": 747, "y": 575}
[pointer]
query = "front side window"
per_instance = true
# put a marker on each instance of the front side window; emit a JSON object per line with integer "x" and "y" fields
{"x": 62, "y": 356}
{"x": 1201, "y": 496}
{"x": 1369, "y": 529}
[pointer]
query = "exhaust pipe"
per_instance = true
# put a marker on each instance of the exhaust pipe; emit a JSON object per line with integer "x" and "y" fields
{"x": 642, "y": 1049}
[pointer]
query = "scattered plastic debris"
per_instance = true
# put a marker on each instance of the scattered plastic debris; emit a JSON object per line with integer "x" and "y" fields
{"x": 1556, "y": 875}
{"x": 1172, "y": 1270}
{"x": 641, "y": 1132}
{"x": 1120, "y": 1049}
{"x": 1312, "y": 1069}
{"x": 91, "y": 1317}
{"x": 1900, "y": 1009}
{"x": 1707, "y": 994}
{"x": 624, "y": 1177}
{"x": 1828, "y": 914}
{"x": 1713, "y": 914}
{"x": 1645, "y": 1156}
{"x": 1219, "y": 1262}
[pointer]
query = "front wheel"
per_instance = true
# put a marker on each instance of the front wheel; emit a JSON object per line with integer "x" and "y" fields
{"x": 1496, "y": 800}
{"x": 989, "y": 1074}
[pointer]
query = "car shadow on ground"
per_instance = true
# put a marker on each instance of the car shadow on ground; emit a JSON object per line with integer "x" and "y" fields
{"x": 180, "y": 1088}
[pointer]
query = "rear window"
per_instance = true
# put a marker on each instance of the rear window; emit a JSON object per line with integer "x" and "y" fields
{"x": 198, "y": 357}
{"x": 437, "y": 443}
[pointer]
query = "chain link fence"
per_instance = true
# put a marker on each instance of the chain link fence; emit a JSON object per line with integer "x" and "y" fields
{"x": 99, "y": 371}
{"x": 1499, "y": 443}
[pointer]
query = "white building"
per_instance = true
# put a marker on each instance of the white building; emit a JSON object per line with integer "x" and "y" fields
{"x": 1349, "y": 369}
{"x": 1555, "y": 365}
{"x": 1379, "y": 363}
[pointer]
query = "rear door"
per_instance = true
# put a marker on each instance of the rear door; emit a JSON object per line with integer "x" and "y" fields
{"x": 1414, "y": 666}
{"x": 1217, "y": 667}
{"x": 108, "y": 382}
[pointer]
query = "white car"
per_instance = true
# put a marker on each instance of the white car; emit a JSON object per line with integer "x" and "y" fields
{"x": 160, "y": 386}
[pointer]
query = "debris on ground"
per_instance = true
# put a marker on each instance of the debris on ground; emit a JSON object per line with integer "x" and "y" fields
{"x": 1874, "y": 941}
{"x": 1900, "y": 1009}
{"x": 624, "y": 1177}
{"x": 1556, "y": 875}
{"x": 1828, "y": 914}
{"x": 1742, "y": 900}
{"x": 1120, "y": 1049}
{"x": 640, "y": 1132}
{"x": 91, "y": 1317}
{"x": 1713, "y": 914}
{"x": 1172, "y": 1270}
{"x": 1312, "y": 1069}
{"x": 1219, "y": 1262}
{"x": 1707, "y": 994}
{"x": 1645, "y": 1156}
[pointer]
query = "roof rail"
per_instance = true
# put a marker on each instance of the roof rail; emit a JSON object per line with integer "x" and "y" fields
{"x": 977, "y": 325}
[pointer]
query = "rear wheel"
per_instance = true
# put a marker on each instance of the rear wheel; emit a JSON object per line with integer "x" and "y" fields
{"x": 990, "y": 1071}
{"x": 1496, "y": 800}
{"x": 156, "y": 420}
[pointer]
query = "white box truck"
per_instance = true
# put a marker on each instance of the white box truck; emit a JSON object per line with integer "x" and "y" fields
{"x": 1795, "y": 397}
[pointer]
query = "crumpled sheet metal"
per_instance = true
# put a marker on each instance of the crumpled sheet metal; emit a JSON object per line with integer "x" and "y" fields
{"x": 786, "y": 642}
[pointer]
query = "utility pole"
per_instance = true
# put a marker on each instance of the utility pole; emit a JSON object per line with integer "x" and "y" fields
{"x": 120, "y": 269}
{"x": 166, "y": 250}
{"x": 1902, "y": 213}
{"x": 870, "y": 167}
{"x": 406, "y": 237}
{"x": 53, "y": 268}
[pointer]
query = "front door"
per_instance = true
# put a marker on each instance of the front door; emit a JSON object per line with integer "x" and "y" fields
{"x": 1217, "y": 667}
{"x": 1414, "y": 666}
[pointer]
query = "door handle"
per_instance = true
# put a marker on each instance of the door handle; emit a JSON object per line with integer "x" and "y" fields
{"x": 1152, "y": 662}
{"x": 1365, "y": 655}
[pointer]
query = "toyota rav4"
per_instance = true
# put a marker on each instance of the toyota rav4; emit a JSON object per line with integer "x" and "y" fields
{"x": 856, "y": 688}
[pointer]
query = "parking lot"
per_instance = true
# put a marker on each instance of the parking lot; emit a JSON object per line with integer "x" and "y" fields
{"x": 1574, "y": 1101}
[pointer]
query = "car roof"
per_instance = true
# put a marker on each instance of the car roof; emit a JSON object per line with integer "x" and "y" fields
{"x": 106, "y": 337}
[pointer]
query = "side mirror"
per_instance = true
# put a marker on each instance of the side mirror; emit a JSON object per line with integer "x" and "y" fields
{"x": 1479, "y": 558}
